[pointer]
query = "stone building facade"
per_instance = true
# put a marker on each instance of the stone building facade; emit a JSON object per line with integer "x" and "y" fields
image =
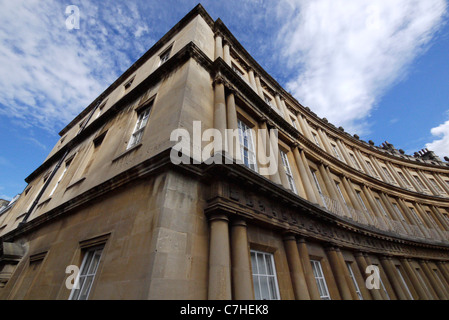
{"x": 110, "y": 202}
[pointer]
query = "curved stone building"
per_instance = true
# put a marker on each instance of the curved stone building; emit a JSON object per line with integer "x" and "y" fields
{"x": 117, "y": 210}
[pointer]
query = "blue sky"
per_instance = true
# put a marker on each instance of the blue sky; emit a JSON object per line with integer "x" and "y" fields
{"x": 378, "y": 68}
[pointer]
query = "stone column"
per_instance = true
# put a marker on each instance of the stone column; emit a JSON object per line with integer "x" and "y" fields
{"x": 361, "y": 263}
{"x": 241, "y": 262}
{"x": 304, "y": 176}
{"x": 282, "y": 172}
{"x": 344, "y": 152}
{"x": 411, "y": 179}
{"x": 277, "y": 100}
{"x": 443, "y": 184}
{"x": 296, "y": 270}
{"x": 362, "y": 161}
{"x": 441, "y": 266}
{"x": 377, "y": 214}
{"x": 384, "y": 295}
{"x": 304, "y": 127}
{"x": 286, "y": 112}
{"x": 414, "y": 279}
{"x": 437, "y": 215}
{"x": 226, "y": 52}
{"x": 318, "y": 198}
{"x": 233, "y": 144}
{"x": 268, "y": 149}
{"x": 219, "y": 259}
{"x": 434, "y": 282}
{"x": 380, "y": 171}
{"x": 325, "y": 141}
{"x": 427, "y": 182}
{"x": 218, "y": 46}
{"x": 220, "y": 113}
{"x": 252, "y": 79}
{"x": 259, "y": 86}
{"x": 393, "y": 276}
{"x": 396, "y": 175}
{"x": 308, "y": 271}
{"x": 339, "y": 273}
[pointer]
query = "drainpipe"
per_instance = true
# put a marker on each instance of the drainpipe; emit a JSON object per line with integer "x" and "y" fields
{"x": 58, "y": 165}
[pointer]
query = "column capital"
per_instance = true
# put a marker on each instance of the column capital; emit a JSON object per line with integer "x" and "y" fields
{"x": 332, "y": 247}
{"x": 239, "y": 221}
{"x": 218, "y": 34}
{"x": 288, "y": 236}
{"x": 218, "y": 216}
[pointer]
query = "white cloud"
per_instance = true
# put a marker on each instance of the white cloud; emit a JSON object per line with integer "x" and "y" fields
{"x": 349, "y": 52}
{"x": 441, "y": 144}
{"x": 49, "y": 73}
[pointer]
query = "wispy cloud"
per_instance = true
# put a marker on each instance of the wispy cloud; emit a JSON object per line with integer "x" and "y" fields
{"x": 441, "y": 143}
{"x": 347, "y": 53}
{"x": 49, "y": 73}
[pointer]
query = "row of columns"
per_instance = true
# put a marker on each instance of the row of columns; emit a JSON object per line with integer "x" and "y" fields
{"x": 230, "y": 273}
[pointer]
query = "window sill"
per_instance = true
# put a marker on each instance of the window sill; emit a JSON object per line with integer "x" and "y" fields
{"x": 43, "y": 202}
{"x": 76, "y": 183}
{"x": 126, "y": 152}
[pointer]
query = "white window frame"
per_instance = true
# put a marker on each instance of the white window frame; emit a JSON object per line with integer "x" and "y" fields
{"x": 340, "y": 192}
{"x": 86, "y": 271}
{"x": 337, "y": 154}
{"x": 402, "y": 176}
{"x": 294, "y": 123}
{"x": 288, "y": 171}
{"x": 354, "y": 161}
{"x": 315, "y": 137}
{"x": 359, "y": 196}
{"x": 415, "y": 214}
{"x": 142, "y": 121}
{"x": 320, "y": 280}
{"x": 396, "y": 208}
{"x": 352, "y": 276}
{"x": 320, "y": 191}
{"x": 165, "y": 55}
{"x": 435, "y": 184}
{"x": 268, "y": 260}
{"x": 247, "y": 147}
{"x": 381, "y": 206}
{"x": 404, "y": 283}
{"x": 388, "y": 175}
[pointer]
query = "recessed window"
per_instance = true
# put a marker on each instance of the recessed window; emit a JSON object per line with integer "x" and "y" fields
{"x": 66, "y": 166}
{"x": 315, "y": 179}
{"x": 354, "y": 161}
{"x": 288, "y": 171}
{"x": 100, "y": 109}
{"x": 142, "y": 120}
{"x": 337, "y": 154}
{"x": 320, "y": 280}
{"x": 237, "y": 70}
{"x": 387, "y": 173}
{"x": 418, "y": 180}
{"x": 404, "y": 283}
{"x": 268, "y": 100}
{"x": 435, "y": 184}
{"x": 87, "y": 274}
{"x": 395, "y": 207}
{"x": 264, "y": 276}
{"x": 404, "y": 179}
{"x": 128, "y": 84}
{"x": 315, "y": 137}
{"x": 247, "y": 148}
{"x": 164, "y": 56}
{"x": 351, "y": 275}
{"x": 295, "y": 125}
